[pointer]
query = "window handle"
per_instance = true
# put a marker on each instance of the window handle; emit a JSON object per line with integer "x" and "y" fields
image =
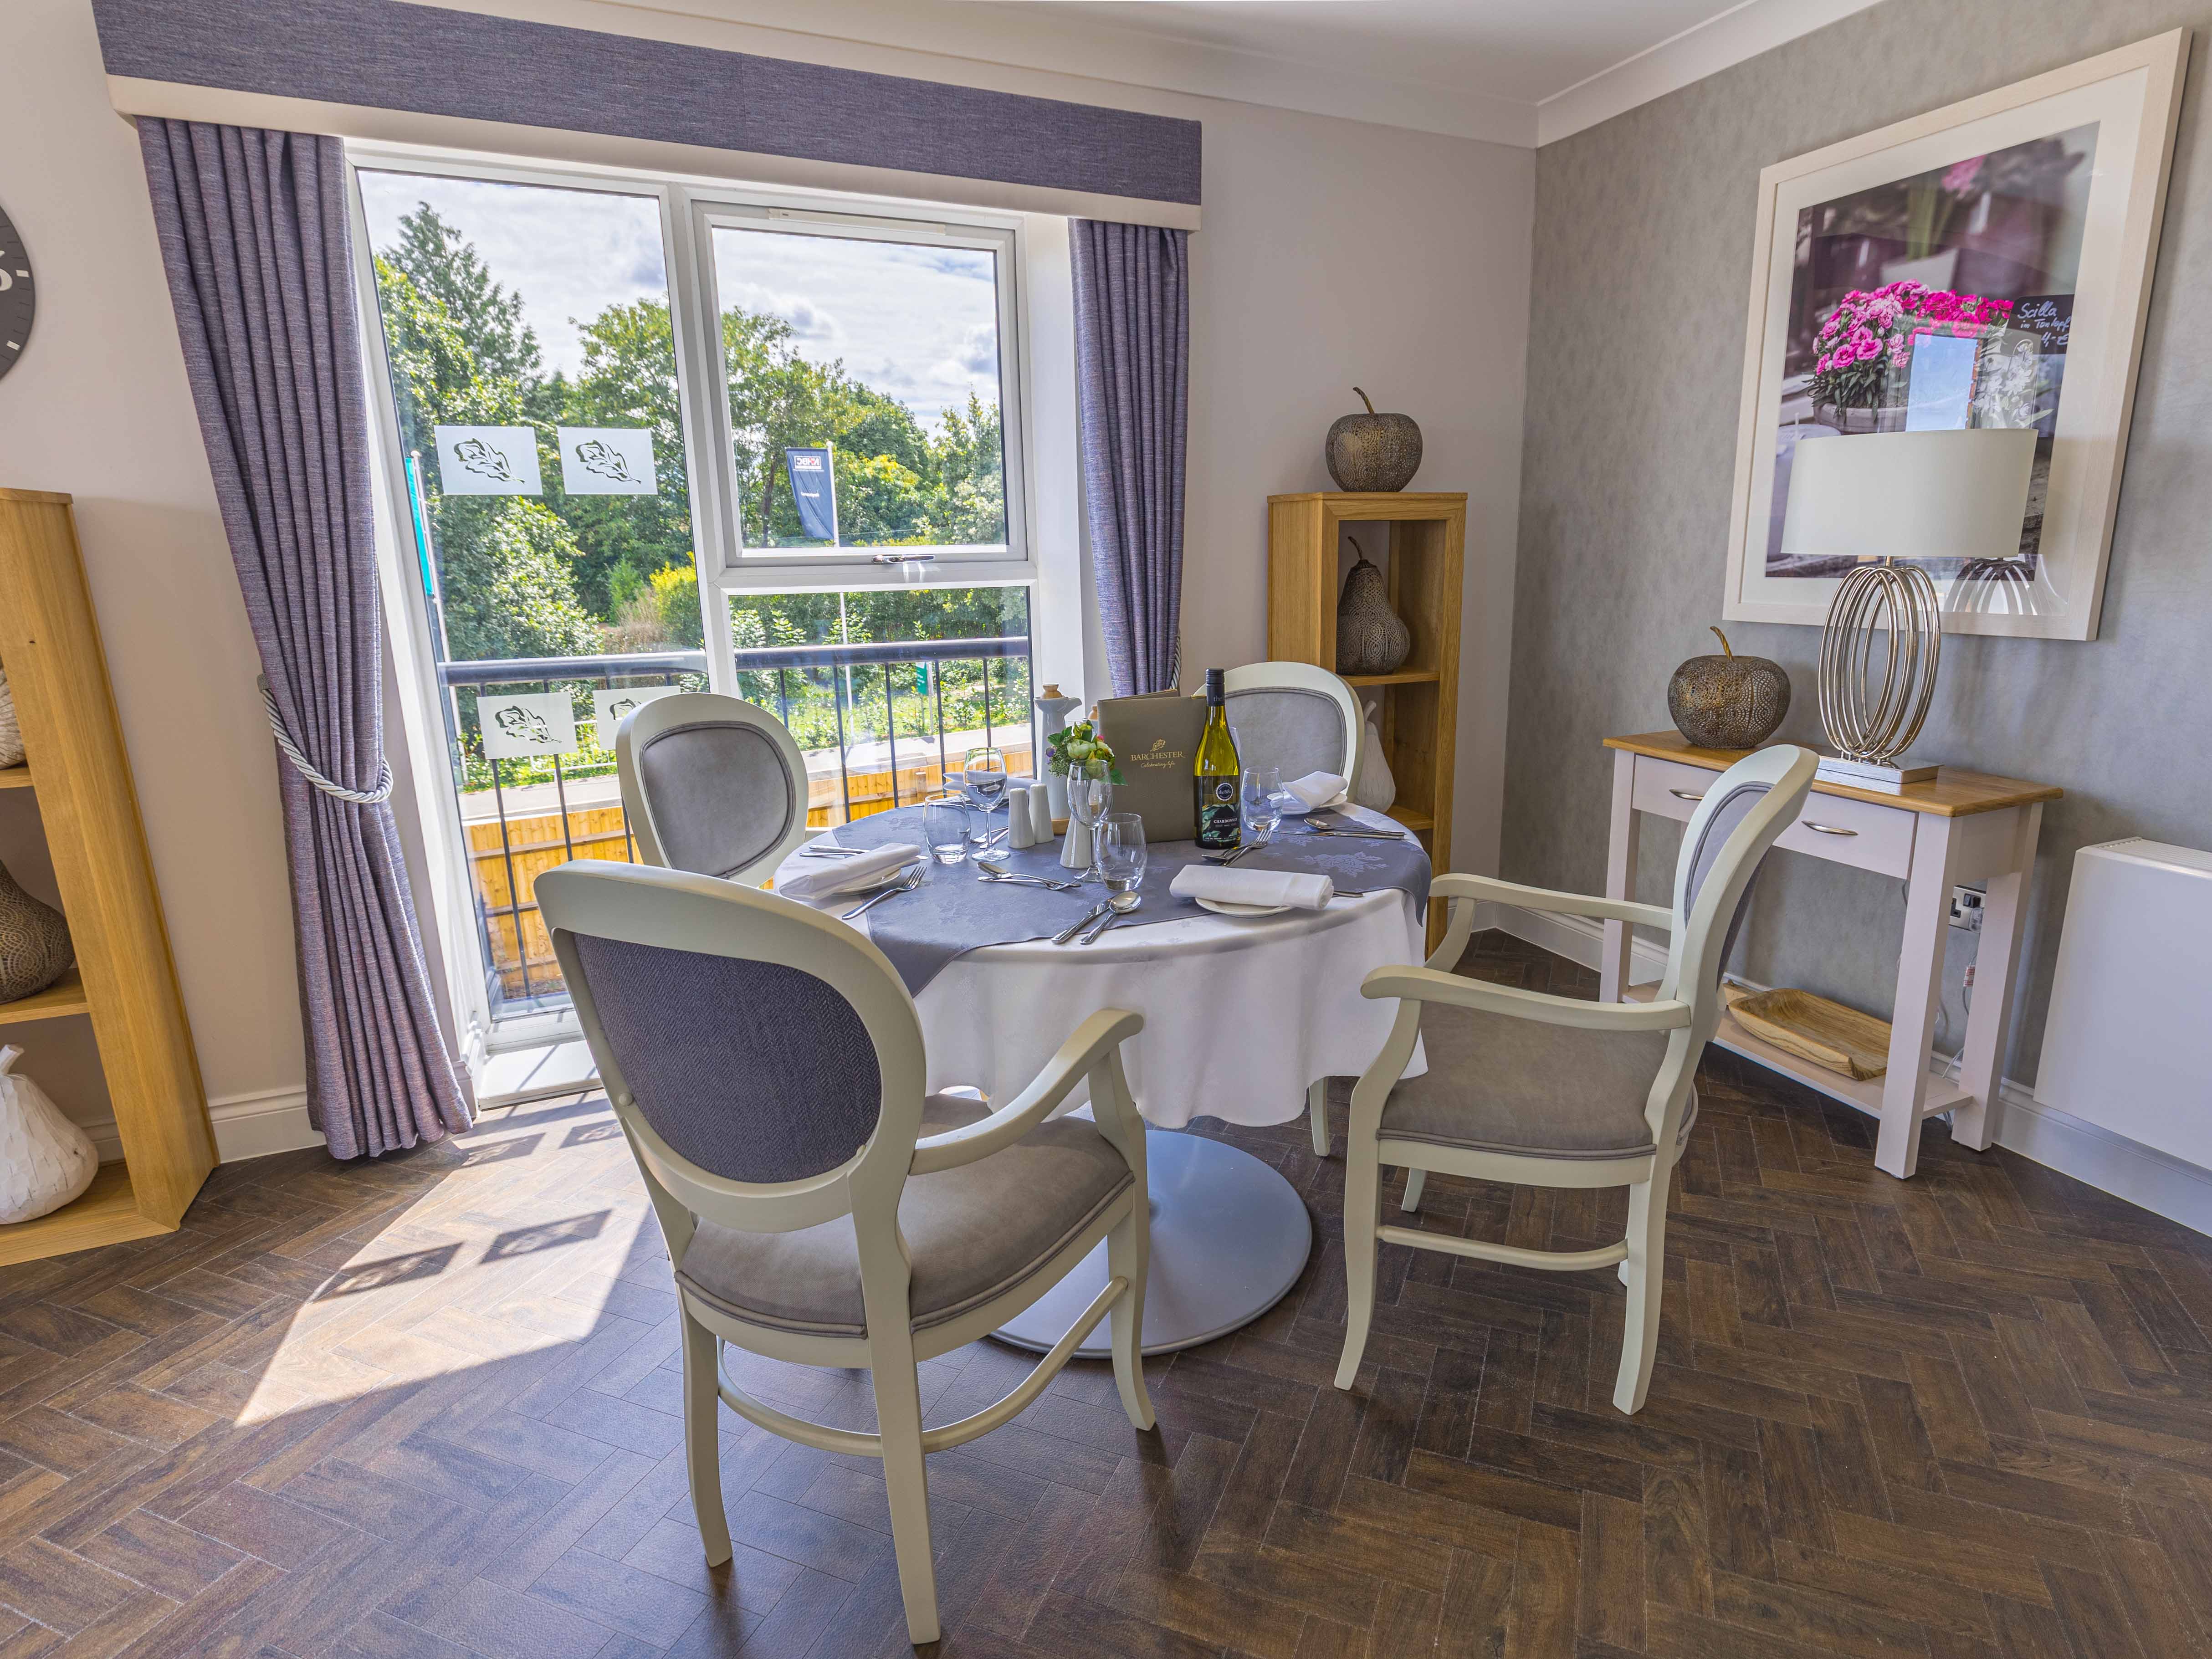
{"x": 1685, "y": 795}
{"x": 905, "y": 558}
{"x": 1826, "y": 828}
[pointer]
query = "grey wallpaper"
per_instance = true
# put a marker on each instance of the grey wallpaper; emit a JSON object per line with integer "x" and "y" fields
{"x": 1643, "y": 250}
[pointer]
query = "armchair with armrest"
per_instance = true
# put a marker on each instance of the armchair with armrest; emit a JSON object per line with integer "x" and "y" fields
{"x": 818, "y": 1205}
{"x": 1544, "y": 1091}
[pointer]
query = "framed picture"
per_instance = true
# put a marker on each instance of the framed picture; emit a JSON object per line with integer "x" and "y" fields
{"x": 1986, "y": 264}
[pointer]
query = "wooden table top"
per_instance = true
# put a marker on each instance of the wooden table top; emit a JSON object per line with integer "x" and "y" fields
{"x": 1951, "y": 793}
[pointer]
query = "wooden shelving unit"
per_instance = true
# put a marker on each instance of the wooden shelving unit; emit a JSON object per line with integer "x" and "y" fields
{"x": 1420, "y": 701}
{"x": 125, "y": 979}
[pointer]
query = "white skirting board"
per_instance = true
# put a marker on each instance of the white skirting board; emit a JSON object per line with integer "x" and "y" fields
{"x": 2126, "y": 1169}
{"x": 246, "y": 1126}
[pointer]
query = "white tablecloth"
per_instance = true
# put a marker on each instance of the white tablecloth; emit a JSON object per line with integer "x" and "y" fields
{"x": 1240, "y": 1016}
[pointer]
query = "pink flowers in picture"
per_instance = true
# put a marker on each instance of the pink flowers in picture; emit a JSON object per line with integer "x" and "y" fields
{"x": 1869, "y": 335}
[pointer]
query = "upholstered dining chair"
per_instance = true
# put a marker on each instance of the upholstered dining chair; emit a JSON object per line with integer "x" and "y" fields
{"x": 711, "y": 784}
{"x": 1297, "y": 719}
{"x": 819, "y": 1207}
{"x": 1544, "y": 1091}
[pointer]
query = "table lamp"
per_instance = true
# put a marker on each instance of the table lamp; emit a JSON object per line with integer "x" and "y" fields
{"x": 1887, "y": 500}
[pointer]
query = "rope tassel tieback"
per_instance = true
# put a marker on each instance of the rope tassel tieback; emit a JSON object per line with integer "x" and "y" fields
{"x": 306, "y": 769}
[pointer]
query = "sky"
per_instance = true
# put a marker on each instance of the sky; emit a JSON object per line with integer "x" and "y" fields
{"x": 917, "y": 322}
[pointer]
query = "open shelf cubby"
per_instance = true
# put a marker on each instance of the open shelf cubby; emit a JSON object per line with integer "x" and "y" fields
{"x": 125, "y": 981}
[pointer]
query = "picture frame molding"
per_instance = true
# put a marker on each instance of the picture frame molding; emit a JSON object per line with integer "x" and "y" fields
{"x": 2162, "y": 59}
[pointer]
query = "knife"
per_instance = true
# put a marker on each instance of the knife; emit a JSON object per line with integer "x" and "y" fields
{"x": 1069, "y": 933}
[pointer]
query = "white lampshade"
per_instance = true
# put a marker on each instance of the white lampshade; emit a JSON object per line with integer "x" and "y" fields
{"x": 1957, "y": 494}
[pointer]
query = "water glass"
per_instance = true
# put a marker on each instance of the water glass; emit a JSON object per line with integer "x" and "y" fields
{"x": 1088, "y": 801}
{"x": 1263, "y": 805}
{"x": 1118, "y": 850}
{"x": 944, "y": 827}
{"x": 983, "y": 778}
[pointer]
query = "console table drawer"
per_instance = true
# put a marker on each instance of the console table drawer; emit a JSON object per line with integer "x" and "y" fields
{"x": 1831, "y": 827}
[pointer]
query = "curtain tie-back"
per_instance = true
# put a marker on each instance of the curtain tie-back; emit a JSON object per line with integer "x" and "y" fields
{"x": 306, "y": 768}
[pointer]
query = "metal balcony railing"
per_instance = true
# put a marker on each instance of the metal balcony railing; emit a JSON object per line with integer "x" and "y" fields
{"x": 871, "y": 719}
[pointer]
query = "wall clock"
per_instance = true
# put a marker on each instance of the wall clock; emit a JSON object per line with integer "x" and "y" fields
{"x": 18, "y": 298}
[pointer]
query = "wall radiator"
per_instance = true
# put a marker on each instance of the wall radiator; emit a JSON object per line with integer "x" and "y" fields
{"x": 2128, "y": 1046}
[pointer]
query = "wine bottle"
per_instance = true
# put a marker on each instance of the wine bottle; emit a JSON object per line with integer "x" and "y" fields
{"x": 1217, "y": 770}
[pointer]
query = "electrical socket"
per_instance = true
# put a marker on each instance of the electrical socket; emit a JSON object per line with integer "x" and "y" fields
{"x": 1966, "y": 909}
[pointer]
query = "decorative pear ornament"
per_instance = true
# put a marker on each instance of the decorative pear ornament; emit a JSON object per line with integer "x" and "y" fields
{"x": 1370, "y": 638}
{"x": 45, "y": 1160}
{"x": 1728, "y": 702}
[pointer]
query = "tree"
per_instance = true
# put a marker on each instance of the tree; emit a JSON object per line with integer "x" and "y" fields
{"x": 447, "y": 270}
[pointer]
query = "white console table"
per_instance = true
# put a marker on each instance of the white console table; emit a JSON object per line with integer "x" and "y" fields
{"x": 1958, "y": 827}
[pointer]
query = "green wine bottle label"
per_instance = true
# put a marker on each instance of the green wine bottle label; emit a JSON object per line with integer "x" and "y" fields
{"x": 1218, "y": 821}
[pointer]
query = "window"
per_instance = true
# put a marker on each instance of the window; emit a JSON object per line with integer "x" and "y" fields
{"x": 653, "y": 438}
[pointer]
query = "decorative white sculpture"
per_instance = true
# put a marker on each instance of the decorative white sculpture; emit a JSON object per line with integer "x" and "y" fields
{"x": 1374, "y": 788}
{"x": 45, "y": 1160}
{"x": 1055, "y": 708}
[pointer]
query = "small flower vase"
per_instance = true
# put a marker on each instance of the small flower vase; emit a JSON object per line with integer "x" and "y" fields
{"x": 45, "y": 1160}
{"x": 1075, "y": 845}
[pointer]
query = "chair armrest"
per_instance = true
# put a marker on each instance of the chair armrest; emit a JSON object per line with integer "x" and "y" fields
{"x": 1094, "y": 1041}
{"x": 1543, "y": 898}
{"x": 1427, "y": 985}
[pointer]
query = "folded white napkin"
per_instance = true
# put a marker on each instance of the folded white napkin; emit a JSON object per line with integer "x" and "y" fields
{"x": 1312, "y": 792}
{"x": 849, "y": 875}
{"x": 1234, "y": 886}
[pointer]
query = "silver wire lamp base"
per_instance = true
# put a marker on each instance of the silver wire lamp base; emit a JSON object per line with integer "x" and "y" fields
{"x": 1230, "y": 1237}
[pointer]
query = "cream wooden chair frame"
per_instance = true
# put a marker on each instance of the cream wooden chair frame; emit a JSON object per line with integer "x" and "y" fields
{"x": 679, "y": 911}
{"x": 1687, "y": 1007}
{"x": 650, "y": 719}
{"x": 1306, "y": 677}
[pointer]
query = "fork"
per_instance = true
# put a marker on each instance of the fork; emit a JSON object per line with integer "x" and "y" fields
{"x": 905, "y": 884}
{"x": 1228, "y": 858}
{"x": 1000, "y": 872}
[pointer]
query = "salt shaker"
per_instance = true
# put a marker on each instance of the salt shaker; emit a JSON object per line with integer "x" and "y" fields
{"x": 1019, "y": 831}
{"x": 1041, "y": 813}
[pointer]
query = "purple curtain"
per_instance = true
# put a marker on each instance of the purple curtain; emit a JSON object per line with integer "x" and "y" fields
{"x": 1133, "y": 367}
{"x": 254, "y": 231}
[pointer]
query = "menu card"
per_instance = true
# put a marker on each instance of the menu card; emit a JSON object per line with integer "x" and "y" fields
{"x": 1154, "y": 739}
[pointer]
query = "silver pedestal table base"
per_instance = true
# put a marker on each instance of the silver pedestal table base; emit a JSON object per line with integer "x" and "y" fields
{"x": 1230, "y": 1237}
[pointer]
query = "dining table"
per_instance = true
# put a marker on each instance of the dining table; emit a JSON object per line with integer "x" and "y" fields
{"x": 1246, "y": 1019}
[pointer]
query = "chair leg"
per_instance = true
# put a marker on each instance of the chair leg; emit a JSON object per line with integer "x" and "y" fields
{"x": 1317, "y": 1109}
{"x": 898, "y": 1420}
{"x": 1416, "y": 1182}
{"x": 1128, "y": 1252}
{"x": 1645, "y": 1273}
{"x": 703, "y": 1445}
{"x": 1363, "y": 1201}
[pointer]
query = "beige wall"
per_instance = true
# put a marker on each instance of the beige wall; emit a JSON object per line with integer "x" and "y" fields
{"x": 1332, "y": 251}
{"x": 98, "y": 407}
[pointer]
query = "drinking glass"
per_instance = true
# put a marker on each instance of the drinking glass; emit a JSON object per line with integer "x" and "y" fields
{"x": 1089, "y": 800}
{"x": 944, "y": 827}
{"x": 1263, "y": 805}
{"x": 983, "y": 777}
{"x": 1118, "y": 850}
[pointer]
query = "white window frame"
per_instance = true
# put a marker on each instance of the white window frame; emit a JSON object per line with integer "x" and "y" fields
{"x": 688, "y": 208}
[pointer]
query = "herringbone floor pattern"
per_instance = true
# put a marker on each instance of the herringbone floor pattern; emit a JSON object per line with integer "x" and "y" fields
{"x": 428, "y": 1408}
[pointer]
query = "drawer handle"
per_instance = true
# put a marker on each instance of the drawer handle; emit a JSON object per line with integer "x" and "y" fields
{"x": 1684, "y": 794}
{"x": 1827, "y": 829}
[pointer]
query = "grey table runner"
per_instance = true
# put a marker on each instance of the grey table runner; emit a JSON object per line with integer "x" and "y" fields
{"x": 952, "y": 913}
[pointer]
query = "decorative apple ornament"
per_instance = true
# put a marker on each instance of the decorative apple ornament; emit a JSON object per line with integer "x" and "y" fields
{"x": 1371, "y": 452}
{"x": 1728, "y": 702}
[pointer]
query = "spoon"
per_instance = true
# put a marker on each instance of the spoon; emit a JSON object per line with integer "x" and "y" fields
{"x": 905, "y": 884}
{"x": 1117, "y": 907}
{"x": 1000, "y": 872}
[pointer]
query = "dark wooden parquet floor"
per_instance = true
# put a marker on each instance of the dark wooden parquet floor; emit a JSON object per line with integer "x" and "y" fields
{"x": 427, "y": 1408}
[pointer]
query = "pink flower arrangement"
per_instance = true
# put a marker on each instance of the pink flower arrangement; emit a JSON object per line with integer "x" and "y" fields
{"x": 1869, "y": 336}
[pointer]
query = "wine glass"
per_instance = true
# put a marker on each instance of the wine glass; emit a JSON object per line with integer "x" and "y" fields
{"x": 983, "y": 777}
{"x": 1118, "y": 850}
{"x": 1263, "y": 805}
{"x": 1089, "y": 800}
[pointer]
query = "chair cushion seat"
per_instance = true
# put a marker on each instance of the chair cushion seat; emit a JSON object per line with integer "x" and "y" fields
{"x": 1502, "y": 1084}
{"x": 972, "y": 1233}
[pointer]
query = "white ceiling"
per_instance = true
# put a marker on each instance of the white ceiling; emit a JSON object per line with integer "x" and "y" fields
{"x": 1512, "y": 71}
